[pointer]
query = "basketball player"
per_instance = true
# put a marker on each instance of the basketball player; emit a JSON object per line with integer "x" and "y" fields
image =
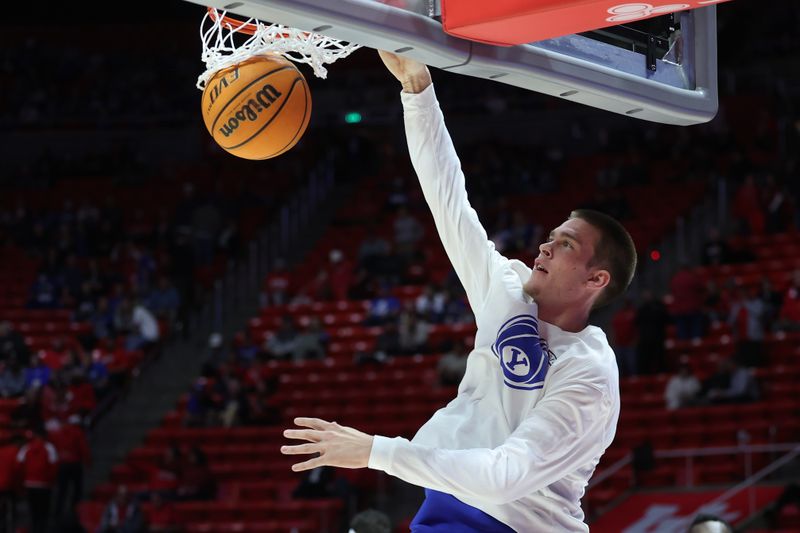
{"x": 539, "y": 402}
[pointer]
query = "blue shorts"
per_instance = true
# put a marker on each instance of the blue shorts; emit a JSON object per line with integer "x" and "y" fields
{"x": 442, "y": 513}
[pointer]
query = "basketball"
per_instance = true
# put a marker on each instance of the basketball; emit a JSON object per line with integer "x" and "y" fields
{"x": 259, "y": 108}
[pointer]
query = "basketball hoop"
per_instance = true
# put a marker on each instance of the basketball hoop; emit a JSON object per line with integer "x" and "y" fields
{"x": 217, "y": 31}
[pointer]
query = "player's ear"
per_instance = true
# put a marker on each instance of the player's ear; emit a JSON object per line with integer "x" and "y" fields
{"x": 599, "y": 279}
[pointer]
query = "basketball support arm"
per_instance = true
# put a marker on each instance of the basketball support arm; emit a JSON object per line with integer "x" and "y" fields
{"x": 572, "y": 67}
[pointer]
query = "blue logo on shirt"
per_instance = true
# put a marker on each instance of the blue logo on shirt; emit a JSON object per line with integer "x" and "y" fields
{"x": 523, "y": 355}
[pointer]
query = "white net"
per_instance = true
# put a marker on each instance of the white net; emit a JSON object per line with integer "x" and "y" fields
{"x": 221, "y": 51}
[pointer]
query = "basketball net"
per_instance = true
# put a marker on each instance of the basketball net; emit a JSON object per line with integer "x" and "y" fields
{"x": 220, "y": 51}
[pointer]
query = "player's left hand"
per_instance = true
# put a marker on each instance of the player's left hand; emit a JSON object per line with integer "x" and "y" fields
{"x": 336, "y": 445}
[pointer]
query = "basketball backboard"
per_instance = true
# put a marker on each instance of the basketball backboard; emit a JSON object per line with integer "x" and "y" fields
{"x": 676, "y": 86}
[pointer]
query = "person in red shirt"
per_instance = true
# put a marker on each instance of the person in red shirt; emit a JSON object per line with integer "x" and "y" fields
{"x": 38, "y": 460}
{"x": 73, "y": 453}
{"x": 624, "y": 327}
{"x": 163, "y": 477}
{"x": 10, "y": 483}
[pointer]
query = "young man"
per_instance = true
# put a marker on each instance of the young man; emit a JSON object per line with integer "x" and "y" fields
{"x": 539, "y": 402}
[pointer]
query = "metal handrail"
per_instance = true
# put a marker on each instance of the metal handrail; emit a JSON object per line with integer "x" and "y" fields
{"x": 701, "y": 452}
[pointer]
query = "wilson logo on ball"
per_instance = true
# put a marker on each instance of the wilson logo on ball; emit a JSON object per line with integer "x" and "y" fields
{"x": 250, "y": 111}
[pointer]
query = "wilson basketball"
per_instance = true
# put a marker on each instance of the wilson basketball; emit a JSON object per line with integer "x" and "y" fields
{"x": 259, "y": 108}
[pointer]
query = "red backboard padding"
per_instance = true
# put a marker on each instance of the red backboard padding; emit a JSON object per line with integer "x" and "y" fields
{"x": 511, "y": 22}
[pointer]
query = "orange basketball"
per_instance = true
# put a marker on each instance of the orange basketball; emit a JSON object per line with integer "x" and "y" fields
{"x": 259, "y": 108}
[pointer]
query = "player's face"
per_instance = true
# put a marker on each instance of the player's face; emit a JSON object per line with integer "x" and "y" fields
{"x": 561, "y": 274}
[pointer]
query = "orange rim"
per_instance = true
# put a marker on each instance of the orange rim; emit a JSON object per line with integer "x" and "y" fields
{"x": 245, "y": 27}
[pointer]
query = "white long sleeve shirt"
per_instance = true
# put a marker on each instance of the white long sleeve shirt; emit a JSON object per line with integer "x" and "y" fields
{"x": 537, "y": 406}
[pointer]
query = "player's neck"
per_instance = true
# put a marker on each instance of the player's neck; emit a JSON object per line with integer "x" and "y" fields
{"x": 572, "y": 319}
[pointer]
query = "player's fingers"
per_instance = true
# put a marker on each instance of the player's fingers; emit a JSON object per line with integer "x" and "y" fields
{"x": 300, "y": 449}
{"x": 313, "y": 423}
{"x": 303, "y": 434}
{"x": 308, "y": 465}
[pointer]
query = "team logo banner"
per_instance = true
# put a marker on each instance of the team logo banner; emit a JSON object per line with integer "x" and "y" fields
{"x": 672, "y": 512}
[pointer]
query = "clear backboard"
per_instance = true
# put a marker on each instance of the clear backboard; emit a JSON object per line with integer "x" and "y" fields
{"x": 670, "y": 77}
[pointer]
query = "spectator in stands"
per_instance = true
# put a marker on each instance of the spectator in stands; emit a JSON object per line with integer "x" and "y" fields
{"x": 311, "y": 342}
{"x": 196, "y": 481}
{"x": 56, "y": 355}
{"x": 731, "y": 384}
{"x": 204, "y": 404}
{"x": 122, "y": 514}
{"x": 96, "y": 371}
{"x": 789, "y": 315}
{"x": 624, "y": 327}
{"x": 456, "y": 310}
{"x": 683, "y": 388}
{"x": 747, "y": 208}
{"x": 73, "y": 453}
{"x": 12, "y": 379}
{"x": 229, "y": 241}
{"x": 161, "y": 517}
{"x": 164, "y": 300}
{"x": 384, "y": 308}
{"x": 747, "y": 322}
{"x": 715, "y": 250}
{"x": 102, "y": 320}
{"x": 430, "y": 304}
{"x": 163, "y": 476}
{"x": 317, "y": 289}
{"x": 322, "y": 482}
{"x": 687, "y": 289}
{"x": 453, "y": 364}
{"x": 520, "y": 237}
{"x": 277, "y": 285}
{"x": 370, "y": 521}
{"x": 412, "y": 333}
{"x": 44, "y": 293}
{"x": 245, "y": 346}
{"x": 280, "y": 344}
{"x": 387, "y": 344}
{"x": 371, "y": 250}
{"x": 236, "y": 407}
{"x": 706, "y": 523}
{"x": 37, "y": 375}
{"x": 340, "y": 275}
{"x": 778, "y": 208}
{"x": 10, "y": 483}
{"x": 651, "y": 325}
{"x": 407, "y": 232}
{"x": 71, "y": 276}
{"x": 38, "y": 461}
{"x": 56, "y": 399}
{"x": 138, "y": 323}
{"x": 12, "y": 343}
{"x": 84, "y": 397}
{"x": 717, "y": 303}
{"x": 772, "y": 301}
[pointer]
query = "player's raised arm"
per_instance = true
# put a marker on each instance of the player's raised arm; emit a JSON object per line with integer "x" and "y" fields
{"x": 434, "y": 158}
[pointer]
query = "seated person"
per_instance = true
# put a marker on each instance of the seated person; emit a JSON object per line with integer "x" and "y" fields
{"x": 731, "y": 384}
{"x": 682, "y": 388}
